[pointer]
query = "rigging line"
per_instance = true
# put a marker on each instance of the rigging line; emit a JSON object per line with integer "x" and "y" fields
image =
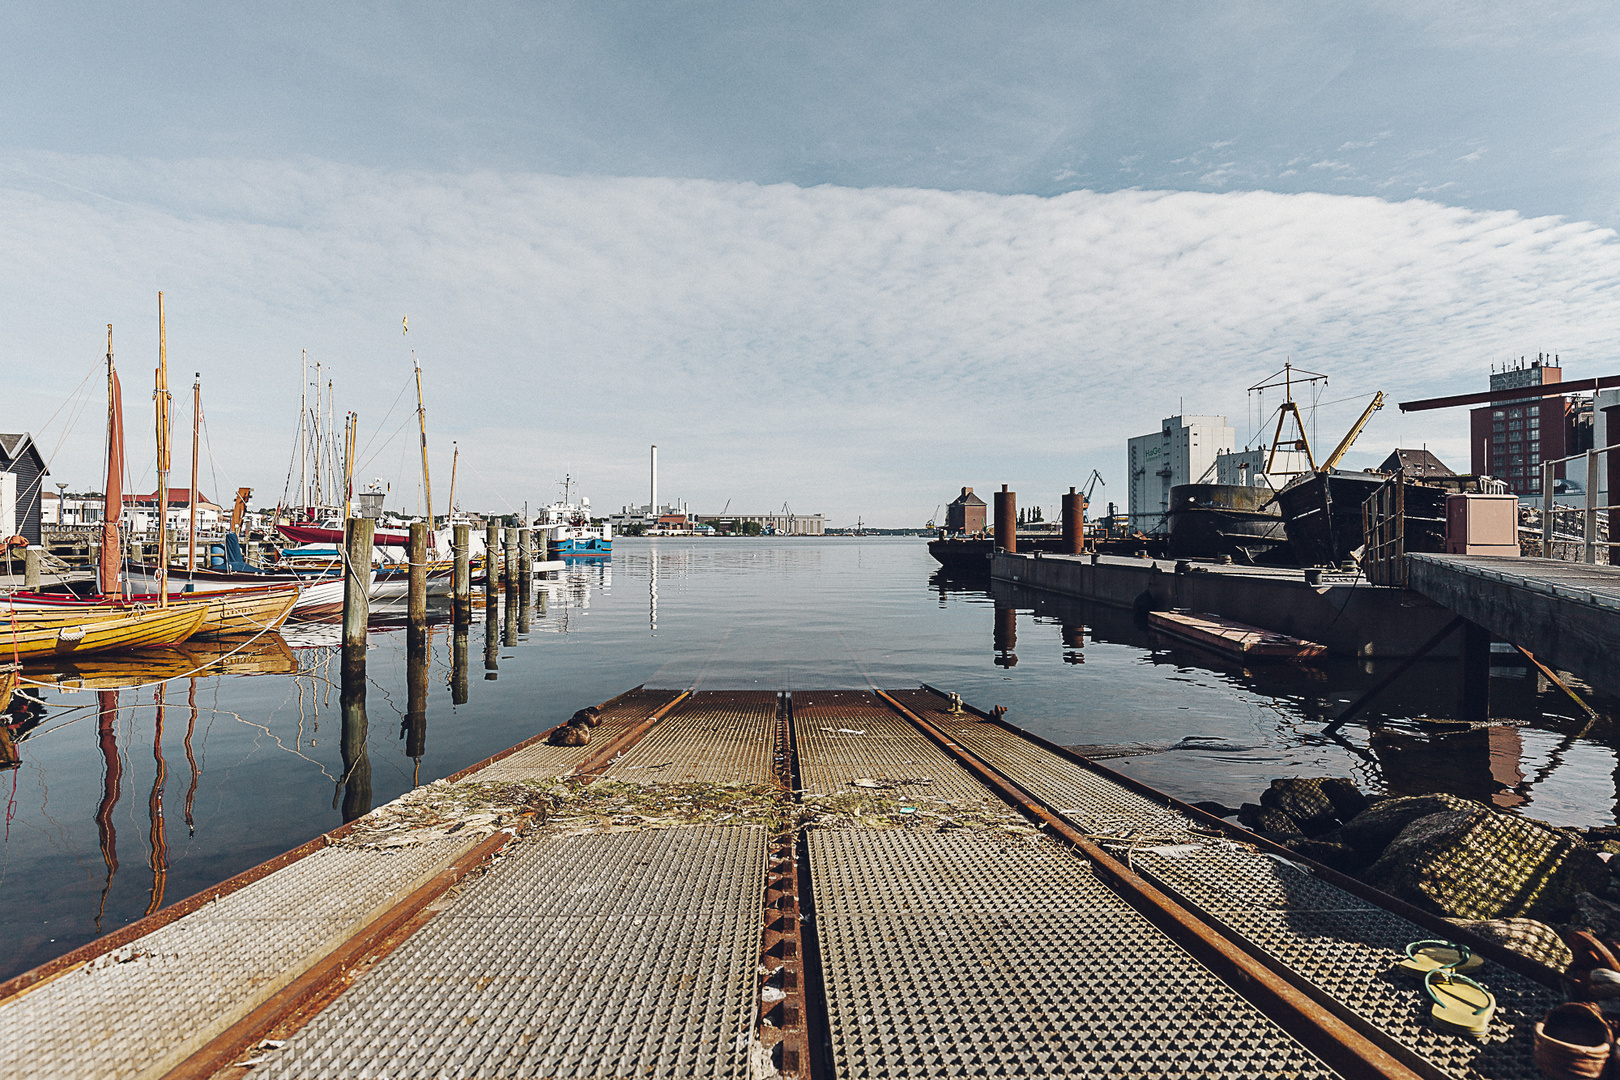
{"x": 363, "y": 466}
{"x": 492, "y": 487}
{"x": 71, "y": 400}
{"x": 384, "y": 420}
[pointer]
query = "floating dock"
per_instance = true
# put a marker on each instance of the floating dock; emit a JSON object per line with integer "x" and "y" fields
{"x": 813, "y": 884}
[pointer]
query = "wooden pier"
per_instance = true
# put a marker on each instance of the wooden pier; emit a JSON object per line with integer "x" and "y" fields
{"x": 756, "y": 883}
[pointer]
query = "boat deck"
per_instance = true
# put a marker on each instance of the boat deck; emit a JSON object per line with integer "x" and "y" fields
{"x": 823, "y": 883}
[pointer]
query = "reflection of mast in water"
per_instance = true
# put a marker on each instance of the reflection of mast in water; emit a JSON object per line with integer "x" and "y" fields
{"x": 112, "y": 772}
{"x": 191, "y": 759}
{"x": 154, "y": 808}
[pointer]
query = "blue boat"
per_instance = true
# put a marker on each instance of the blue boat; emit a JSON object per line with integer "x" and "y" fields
{"x": 570, "y": 533}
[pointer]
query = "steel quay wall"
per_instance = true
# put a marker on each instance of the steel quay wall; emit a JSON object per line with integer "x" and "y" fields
{"x": 1359, "y": 620}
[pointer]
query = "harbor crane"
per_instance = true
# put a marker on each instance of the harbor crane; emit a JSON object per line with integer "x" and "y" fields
{"x": 1091, "y": 484}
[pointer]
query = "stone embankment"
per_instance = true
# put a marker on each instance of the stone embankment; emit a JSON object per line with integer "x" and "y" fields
{"x": 1518, "y": 881}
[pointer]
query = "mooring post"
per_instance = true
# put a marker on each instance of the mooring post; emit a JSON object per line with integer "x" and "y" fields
{"x": 31, "y": 568}
{"x": 525, "y": 562}
{"x": 458, "y": 665}
{"x": 1074, "y": 522}
{"x": 461, "y": 577}
{"x": 1006, "y": 520}
{"x": 352, "y": 700}
{"x": 1476, "y": 674}
{"x": 511, "y": 569}
{"x": 492, "y": 558}
{"x": 416, "y": 575}
{"x": 357, "y": 537}
{"x": 542, "y": 550}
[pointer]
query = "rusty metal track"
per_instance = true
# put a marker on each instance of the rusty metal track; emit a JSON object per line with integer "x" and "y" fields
{"x": 1353, "y": 1052}
{"x": 783, "y": 1017}
{"x": 535, "y": 758}
{"x": 602, "y": 755}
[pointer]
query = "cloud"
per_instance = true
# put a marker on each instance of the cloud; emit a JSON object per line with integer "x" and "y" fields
{"x": 851, "y": 351}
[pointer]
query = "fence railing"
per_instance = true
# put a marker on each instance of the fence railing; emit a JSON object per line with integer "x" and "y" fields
{"x": 1586, "y": 534}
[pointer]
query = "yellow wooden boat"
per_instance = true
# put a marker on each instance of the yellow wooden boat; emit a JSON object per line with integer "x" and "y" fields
{"x": 157, "y": 626}
{"x": 229, "y": 611}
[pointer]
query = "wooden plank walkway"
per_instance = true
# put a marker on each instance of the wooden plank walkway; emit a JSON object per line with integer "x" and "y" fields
{"x": 816, "y": 884}
{"x": 1567, "y": 614}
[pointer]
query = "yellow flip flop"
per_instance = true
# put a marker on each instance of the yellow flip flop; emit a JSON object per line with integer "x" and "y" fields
{"x": 1423, "y": 957}
{"x": 1461, "y": 1005}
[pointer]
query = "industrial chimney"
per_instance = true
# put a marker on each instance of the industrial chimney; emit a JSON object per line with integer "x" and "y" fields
{"x": 654, "y": 506}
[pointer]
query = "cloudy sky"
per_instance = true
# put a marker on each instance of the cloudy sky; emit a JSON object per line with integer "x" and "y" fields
{"x": 847, "y": 257}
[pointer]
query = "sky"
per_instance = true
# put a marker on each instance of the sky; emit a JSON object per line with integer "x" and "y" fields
{"x": 844, "y": 258}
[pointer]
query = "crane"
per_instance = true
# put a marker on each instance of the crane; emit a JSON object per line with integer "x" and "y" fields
{"x": 1350, "y": 436}
{"x": 935, "y": 516}
{"x": 1096, "y": 478}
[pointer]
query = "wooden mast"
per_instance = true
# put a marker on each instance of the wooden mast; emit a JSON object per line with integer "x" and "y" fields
{"x": 112, "y": 512}
{"x": 161, "y": 396}
{"x": 191, "y": 501}
{"x": 351, "y": 432}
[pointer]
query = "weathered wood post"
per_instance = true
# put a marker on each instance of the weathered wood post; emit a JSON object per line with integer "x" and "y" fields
{"x": 492, "y": 559}
{"x": 511, "y": 570}
{"x": 31, "y": 568}
{"x": 458, "y": 665}
{"x": 461, "y": 577}
{"x": 525, "y": 562}
{"x": 542, "y": 548}
{"x": 1006, "y": 520}
{"x": 416, "y": 575}
{"x": 357, "y": 538}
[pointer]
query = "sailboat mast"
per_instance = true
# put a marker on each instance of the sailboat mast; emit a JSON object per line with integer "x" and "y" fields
{"x": 421, "y": 423}
{"x": 303, "y": 424}
{"x": 351, "y": 432}
{"x": 319, "y": 436}
{"x": 161, "y": 396}
{"x": 112, "y": 511}
{"x": 455, "y": 459}
{"x": 191, "y": 501}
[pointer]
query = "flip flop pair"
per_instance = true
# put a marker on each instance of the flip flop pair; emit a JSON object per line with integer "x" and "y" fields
{"x": 1461, "y": 1005}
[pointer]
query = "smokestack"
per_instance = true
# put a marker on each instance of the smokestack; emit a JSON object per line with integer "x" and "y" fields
{"x": 655, "y": 480}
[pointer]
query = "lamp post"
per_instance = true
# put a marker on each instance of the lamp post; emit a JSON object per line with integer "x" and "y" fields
{"x": 61, "y": 505}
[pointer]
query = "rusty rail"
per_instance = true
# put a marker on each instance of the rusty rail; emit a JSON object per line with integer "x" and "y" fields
{"x": 598, "y": 760}
{"x": 1355, "y": 1053}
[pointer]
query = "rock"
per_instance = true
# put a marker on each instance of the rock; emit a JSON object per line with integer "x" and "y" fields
{"x": 1474, "y": 863}
{"x": 1598, "y": 915}
{"x": 1527, "y": 937}
{"x": 1340, "y": 857}
{"x": 1604, "y": 838}
{"x": 1265, "y": 820}
{"x": 1215, "y": 808}
{"x": 1302, "y": 799}
{"x": 1371, "y": 830}
{"x": 1348, "y": 801}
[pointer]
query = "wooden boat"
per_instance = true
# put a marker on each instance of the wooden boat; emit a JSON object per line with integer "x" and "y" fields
{"x": 267, "y": 654}
{"x": 318, "y": 596}
{"x": 1322, "y": 513}
{"x": 237, "y": 611}
{"x": 159, "y": 626}
{"x": 1232, "y": 638}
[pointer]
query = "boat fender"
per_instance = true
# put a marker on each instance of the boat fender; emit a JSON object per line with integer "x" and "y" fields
{"x": 1143, "y": 604}
{"x": 70, "y": 635}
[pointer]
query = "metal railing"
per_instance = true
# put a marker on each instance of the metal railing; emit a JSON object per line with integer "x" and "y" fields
{"x": 1587, "y": 536}
{"x": 1383, "y": 524}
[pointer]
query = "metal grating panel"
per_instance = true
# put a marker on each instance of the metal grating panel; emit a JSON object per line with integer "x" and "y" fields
{"x": 139, "y": 1009}
{"x": 597, "y": 955}
{"x": 713, "y": 737}
{"x": 1346, "y": 946}
{"x": 958, "y": 954}
{"x": 879, "y": 744}
{"x": 543, "y": 761}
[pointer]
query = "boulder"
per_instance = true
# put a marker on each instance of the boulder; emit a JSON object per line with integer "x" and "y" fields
{"x": 1302, "y": 799}
{"x": 1474, "y": 863}
{"x": 1598, "y": 915}
{"x": 1371, "y": 830}
{"x": 1604, "y": 838}
{"x": 1348, "y": 801}
{"x": 1526, "y": 937}
{"x": 1267, "y": 821}
{"x": 1215, "y": 808}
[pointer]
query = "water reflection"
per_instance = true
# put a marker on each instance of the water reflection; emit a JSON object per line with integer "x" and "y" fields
{"x": 159, "y": 851}
{"x": 458, "y": 665}
{"x": 413, "y": 726}
{"x": 355, "y": 787}
{"x": 112, "y": 775}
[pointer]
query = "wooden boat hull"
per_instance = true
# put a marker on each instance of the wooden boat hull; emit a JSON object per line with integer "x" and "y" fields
{"x": 319, "y": 595}
{"x": 233, "y": 611}
{"x": 1322, "y": 514}
{"x": 1207, "y": 520}
{"x": 160, "y": 626}
{"x": 1234, "y": 639}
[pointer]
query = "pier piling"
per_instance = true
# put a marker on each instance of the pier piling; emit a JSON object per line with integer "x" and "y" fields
{"x": 1475, "y": 690}
{"x": 31, "y": 568}
{"x": 492, "y": 558}
{"x": 511, "y": 571}
{"x": 525, "y": 562}
{"x": 416, "y": 596}
{"x": 1006, "y": 520}
{"x": 1074, "y": 522}
{"x": 461, "y": 577}
{"x": 357, "y": 543}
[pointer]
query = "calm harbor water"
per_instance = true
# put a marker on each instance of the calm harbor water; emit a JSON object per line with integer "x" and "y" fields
{"x": 135, "y": 797}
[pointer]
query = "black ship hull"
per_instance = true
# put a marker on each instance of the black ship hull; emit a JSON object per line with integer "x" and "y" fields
{"x": 1207, "y": 520}
{"x": 1322, "y": 514}
{"x": 970, "y": 556}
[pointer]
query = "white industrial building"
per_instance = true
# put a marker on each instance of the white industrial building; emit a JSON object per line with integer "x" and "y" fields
{"x": 655, "y": 518}
{"x": 1182, "y": 451}
{"x": 1247, "y": 468}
